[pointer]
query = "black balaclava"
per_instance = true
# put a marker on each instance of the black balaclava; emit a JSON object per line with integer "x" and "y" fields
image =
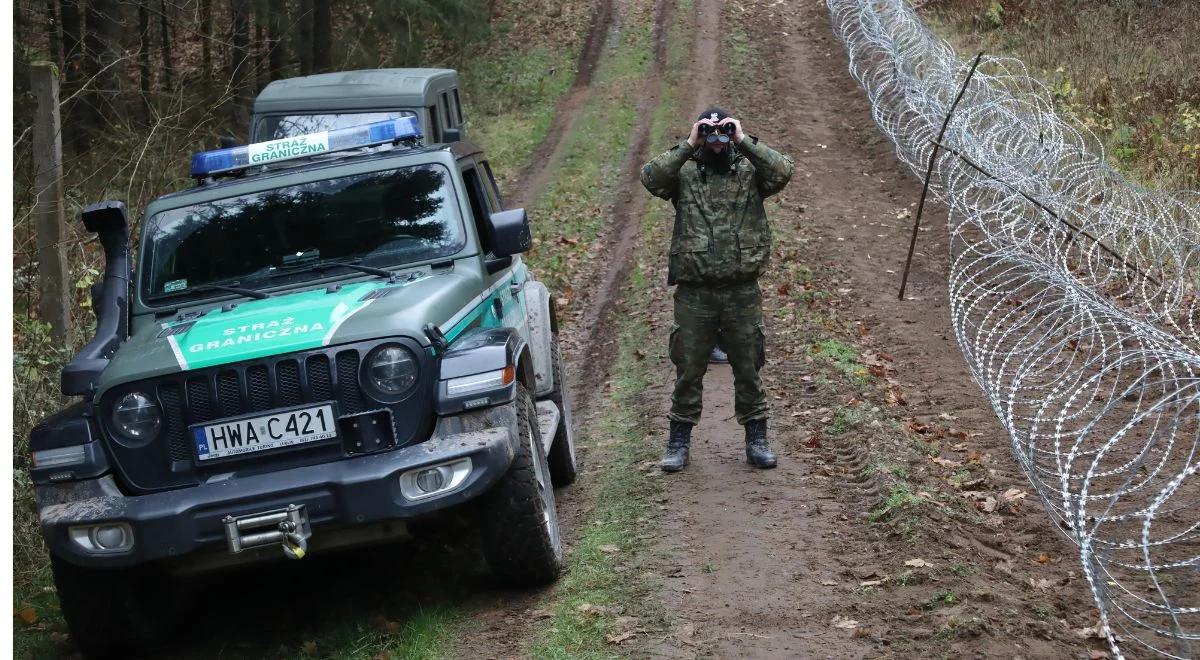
{"x": 715, "y": 162}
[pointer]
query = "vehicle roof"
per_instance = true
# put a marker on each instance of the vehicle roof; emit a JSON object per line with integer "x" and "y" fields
{"x": 224, "y": 186}
{"x": 354, "y": 90}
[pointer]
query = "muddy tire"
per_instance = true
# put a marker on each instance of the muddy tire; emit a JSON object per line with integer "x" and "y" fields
{"x": 114, "y": 612}
{"x": 521, "y": 539}
{"x": 563, "y": 469}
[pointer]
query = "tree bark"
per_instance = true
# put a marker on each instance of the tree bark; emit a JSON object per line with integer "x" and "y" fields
{"x": 305, "y": 47}
{"x": 206, "y": 35}
{"x": 53, "y": 37}
{"x": 164, "y": 26}
{"x": 144, "y": 72}
{"x": 104, "y": 62}
{"x": 79, "y": 115}
{"x": 240, "y": 64}
{"x": 322, "y": 35}
{"x": 276, "y": 38}
{"x": 52, "y": 227}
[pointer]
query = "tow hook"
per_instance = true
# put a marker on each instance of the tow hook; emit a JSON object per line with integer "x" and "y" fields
{"x": 294, "y": 545}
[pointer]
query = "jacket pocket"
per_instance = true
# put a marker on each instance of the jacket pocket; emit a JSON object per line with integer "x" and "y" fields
{"x": 753, "y": 259}
{"x": 689, "y": 258}
{"x": 674, "y": 350}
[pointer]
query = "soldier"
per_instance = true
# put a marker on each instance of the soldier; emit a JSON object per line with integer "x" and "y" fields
{"x": 717, "y": 180}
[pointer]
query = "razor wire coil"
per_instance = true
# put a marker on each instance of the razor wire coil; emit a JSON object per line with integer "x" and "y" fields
{"x": 1074, "y": 300}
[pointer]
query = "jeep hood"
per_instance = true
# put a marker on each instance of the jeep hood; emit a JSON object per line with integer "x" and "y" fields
{"x": 293, "y": 322}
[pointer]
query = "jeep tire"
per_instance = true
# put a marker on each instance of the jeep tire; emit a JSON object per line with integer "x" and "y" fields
{"x": 521, "y": 538}
{"x": 562, "y": 452}
{"x": 114, "y": 612}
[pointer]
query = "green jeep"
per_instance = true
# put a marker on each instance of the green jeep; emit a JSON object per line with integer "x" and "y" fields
{"x": 329, "y": 337}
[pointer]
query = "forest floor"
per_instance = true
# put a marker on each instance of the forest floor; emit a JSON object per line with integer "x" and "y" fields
{"x": 897, "y": 524}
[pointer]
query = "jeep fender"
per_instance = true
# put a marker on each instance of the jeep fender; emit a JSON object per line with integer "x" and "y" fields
{"x": 541, "y": 337}
{"x": 478, "y": 352}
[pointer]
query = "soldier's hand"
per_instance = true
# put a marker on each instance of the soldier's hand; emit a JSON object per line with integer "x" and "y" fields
{"x": 738, "y": 135}
{"x": 694, "y": 138}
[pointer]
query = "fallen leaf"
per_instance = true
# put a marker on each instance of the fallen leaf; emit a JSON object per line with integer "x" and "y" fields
{"x": 1091, "y": 632}
{"x": 1013, "y": 494}
{"x": 829, "y": 583}
{"x": 609, "y": 549}
{"x": 1097, "y": 654}
{"x": 844, "y": 623}
{"x": 988, "y": 505}
{"x": 27, "y": 615}
{"x": 617, "y": 639}
{"x": 600, "y": 610}
{"x": 944, "y": 462}
{"x": 870, "y": 583}
{"x": 541, "y": 614}
{"x": 917, "y": 563}
{"x": 1043, "y": 558}
{"x": 1040, "y": 584}
{"x": 309, "y": 648}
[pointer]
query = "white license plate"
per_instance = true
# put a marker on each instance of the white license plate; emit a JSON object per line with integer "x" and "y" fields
{"x": 253, "y": 434}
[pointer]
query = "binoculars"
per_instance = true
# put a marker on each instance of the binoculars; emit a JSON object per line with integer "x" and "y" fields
{"x": 720, "y": 133}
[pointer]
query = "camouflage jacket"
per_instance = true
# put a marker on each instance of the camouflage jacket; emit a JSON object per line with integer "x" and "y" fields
{"x": 721, "y": 231}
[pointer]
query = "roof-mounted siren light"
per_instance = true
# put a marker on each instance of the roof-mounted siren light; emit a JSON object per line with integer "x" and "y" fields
{"x": 208, "y": 163}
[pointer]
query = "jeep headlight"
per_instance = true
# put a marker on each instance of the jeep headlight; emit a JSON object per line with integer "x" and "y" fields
{"x": 137, "y": 417}
{"x": 390, "y": 371}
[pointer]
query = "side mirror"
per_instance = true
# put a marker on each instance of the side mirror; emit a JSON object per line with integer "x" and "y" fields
{"x": 110, "y": 299}
{"x": 508, "y": 233}
{"x": 451, "y": 135}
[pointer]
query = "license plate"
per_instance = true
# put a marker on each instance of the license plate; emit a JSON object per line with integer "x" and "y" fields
{"x": 271, "y": 431}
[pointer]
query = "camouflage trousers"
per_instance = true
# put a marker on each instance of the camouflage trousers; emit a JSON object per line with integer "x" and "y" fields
{"x": 702, "y": 312}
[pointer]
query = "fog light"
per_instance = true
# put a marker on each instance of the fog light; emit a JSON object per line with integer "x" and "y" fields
{"x": 431, "y": 480}
{"x": 109, "y": 538}
{"x": 434, "y": 480}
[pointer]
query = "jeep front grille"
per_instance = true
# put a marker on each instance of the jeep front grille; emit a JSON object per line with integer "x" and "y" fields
{"x": 252, "y": 387}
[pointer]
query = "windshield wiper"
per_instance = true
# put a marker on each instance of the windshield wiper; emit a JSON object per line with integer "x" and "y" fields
{"x": 231, "y": 287}
{"x": 330, "y": 265}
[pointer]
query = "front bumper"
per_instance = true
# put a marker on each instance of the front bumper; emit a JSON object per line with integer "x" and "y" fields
{"x": 354, "y": 491}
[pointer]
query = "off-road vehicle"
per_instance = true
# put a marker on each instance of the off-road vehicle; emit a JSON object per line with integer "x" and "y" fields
{"x": 329, "y": 101}
{"x": 328, "y": 337}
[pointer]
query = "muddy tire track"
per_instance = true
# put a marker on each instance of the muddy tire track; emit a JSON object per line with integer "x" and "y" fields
{"x": 545, "y": 159}
{"x": 506, "y": 627}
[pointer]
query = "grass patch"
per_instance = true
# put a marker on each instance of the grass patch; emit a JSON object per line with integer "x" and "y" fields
{"x": 844, "y": 359}
{"x": 900, "y": 499}
{"x": 1127, "y": 71}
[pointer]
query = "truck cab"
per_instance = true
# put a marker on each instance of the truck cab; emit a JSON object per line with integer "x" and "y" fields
{"x": 329, "y": 336}
{"x": 328, "y": 101}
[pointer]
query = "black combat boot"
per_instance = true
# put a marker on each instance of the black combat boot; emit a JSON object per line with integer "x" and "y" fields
{"x": 676, "y": 456}
{"x": 758, "y": 452}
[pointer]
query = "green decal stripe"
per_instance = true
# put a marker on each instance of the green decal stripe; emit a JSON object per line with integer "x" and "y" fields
{"x": 258, "y": 328}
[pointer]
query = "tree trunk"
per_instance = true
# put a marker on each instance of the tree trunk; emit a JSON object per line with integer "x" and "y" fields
{"x": 79, "y": 115}
{"x": 53, "y": 38}
{"x": 206, "y": 36}
{"x": 322, "y": 35}
{"x": 260, "y": 44}
{"x": 144, "y": 72}
{"x": 164, "y": 27}
{"x": 104, "y": 63}
{"x": 305, "y": 47}
{"x": 277, "y": 32}
{"x": 52, "y": 227}
{"x": 240, "y": 63}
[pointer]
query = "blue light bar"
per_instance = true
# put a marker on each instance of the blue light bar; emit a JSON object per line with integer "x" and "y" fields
{"x": 207, "y": 163}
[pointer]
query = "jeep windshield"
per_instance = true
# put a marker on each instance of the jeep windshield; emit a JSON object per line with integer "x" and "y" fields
{"x": 387, "y": 218}
{"x": 274, "y": 127}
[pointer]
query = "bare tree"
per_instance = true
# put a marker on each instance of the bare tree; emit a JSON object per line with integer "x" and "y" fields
{"x": 79, "y": 113}
{"x": 240, "y": 62}
{"x": 165, "y": 41}
{"x": 277, "y": 38}
{"x": 304, "y": 47}
{"x": 322, "y": 35}
{"x": 104, "y": 65}
{"x": 144, "y": 72}
{"x": 53, "y": 36}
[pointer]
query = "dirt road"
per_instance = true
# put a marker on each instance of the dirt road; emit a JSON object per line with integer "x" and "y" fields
{"x": 871, "y": 538}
